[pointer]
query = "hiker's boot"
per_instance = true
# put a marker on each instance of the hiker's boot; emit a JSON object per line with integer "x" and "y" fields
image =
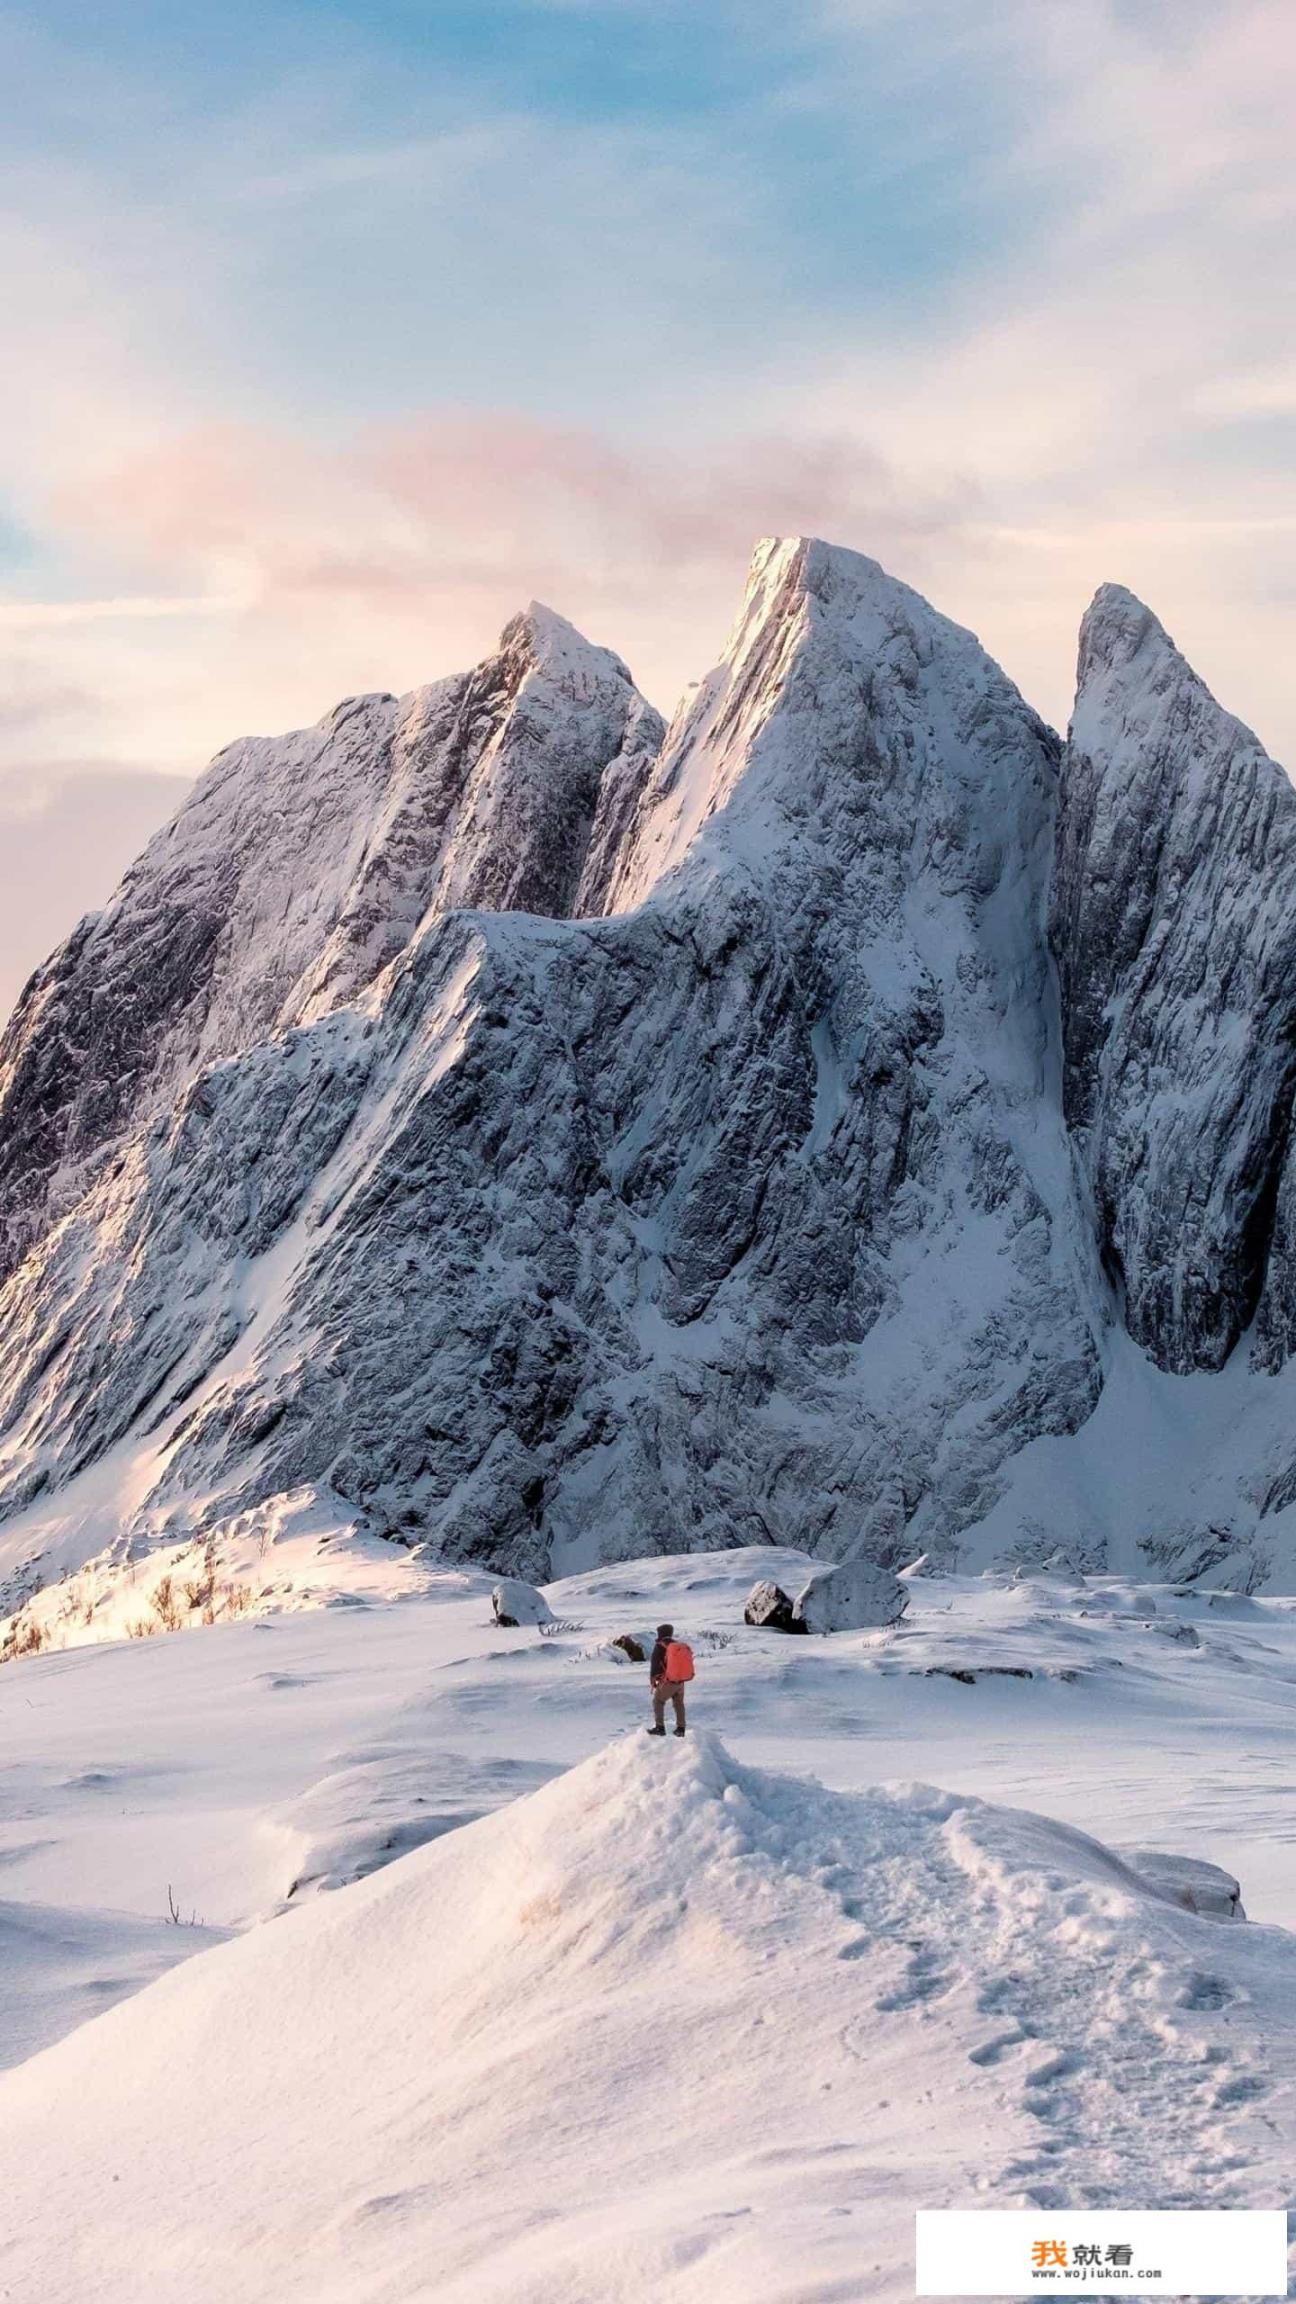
{"x": 660, "y": 1731}
{"x": 679, "y": 1731}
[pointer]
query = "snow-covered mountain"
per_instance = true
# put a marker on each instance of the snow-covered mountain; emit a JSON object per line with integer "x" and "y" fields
{"x": 558, "y": 1143}
{"x": 300, "y": 867}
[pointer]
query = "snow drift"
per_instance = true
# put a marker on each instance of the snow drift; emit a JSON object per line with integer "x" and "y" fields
{"x": 667, "y": 2019}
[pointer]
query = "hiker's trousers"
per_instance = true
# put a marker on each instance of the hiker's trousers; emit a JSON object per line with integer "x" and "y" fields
{"x": 672, "y": 1691}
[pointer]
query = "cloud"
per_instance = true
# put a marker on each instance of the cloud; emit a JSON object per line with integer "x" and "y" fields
{"x": 400, "y": 553}
{"x": 48, "y": 615}
{"x": 1249, "y": 393}
{"x": 307, "y": 396}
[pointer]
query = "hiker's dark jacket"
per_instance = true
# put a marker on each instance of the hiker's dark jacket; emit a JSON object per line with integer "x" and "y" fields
{"x": 657, "y": 1663}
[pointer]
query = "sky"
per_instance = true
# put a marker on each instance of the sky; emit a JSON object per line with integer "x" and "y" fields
{"x": 334, "y": 333}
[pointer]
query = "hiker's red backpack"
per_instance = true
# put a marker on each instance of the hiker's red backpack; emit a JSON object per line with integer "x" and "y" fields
{"x": 679, "y": 1660}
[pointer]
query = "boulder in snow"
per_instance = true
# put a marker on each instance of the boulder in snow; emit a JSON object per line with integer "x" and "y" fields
{"x": 517, "y": 1603}
{"x": 769, "y": 1606}
{"x": 852, "y": 1597}
{"x": 1189, "y": 1881}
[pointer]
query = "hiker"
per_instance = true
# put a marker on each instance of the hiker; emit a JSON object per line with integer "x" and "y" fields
{"x": 671, "y": 1665}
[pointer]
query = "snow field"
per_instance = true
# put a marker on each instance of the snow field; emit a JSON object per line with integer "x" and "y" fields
{"x": 632, "y": 2013}
{"x": 668, "y": 2018}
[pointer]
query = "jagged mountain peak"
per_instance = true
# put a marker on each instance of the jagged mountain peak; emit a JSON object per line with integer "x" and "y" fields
{"x": 294, "y": 874}
{"x": 1129, "y": 666}
{"x": 535, "y": 643}
{"x": 792, "y": 577}
{"x": 1174, "y": 924}
{"x": 537, "y": 650}
{"x": 1114, "y": 627}
{"x": 839, "y": 688}
{"x": 548, "y": 643}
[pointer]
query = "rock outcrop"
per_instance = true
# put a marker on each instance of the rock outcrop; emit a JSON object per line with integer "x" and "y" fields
{"x": 514, "y": 1602}
{"x": 857, "y": 1596}
{"x": 770, "y": 1608}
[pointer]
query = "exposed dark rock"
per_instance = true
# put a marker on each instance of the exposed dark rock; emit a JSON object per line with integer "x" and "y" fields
{"x": 968, "y": 1675}
{"x": 770, "y": 1607}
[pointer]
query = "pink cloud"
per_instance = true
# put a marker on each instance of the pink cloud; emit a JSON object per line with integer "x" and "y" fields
{"x": 427, "y": 534}
{"x": 479, "y": 497}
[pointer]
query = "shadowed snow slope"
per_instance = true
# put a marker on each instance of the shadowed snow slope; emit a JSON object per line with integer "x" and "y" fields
{"x": 667, "y": 2020}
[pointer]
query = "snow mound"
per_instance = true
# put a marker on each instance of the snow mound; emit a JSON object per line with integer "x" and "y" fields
{"x": 1198, "y": 1886}
{"x": 667, "y": 2019}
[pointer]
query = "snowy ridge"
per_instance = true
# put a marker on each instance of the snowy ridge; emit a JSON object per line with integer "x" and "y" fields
{"x": 706, "y": 2018}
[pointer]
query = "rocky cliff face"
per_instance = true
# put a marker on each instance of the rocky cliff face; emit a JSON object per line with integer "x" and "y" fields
{"x": 1174, "y": 924}
{"x": 563, "y": 1143}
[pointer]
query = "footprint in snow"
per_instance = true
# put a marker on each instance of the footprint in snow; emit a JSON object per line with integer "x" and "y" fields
{"x": 1205, "y": 1992}
{"x": 1244, "y": 2088}
{"x": 994, "y": 1995}
{"x": 993, "y": 2051}
{"x": 923, "y": 1982}
{"x": 1062, "y": 2065}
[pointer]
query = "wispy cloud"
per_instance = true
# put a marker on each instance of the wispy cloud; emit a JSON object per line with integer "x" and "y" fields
{"x": 400, "y": 552}
{"x": 304, "y": 395}
{"x": 53, "y": 615}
